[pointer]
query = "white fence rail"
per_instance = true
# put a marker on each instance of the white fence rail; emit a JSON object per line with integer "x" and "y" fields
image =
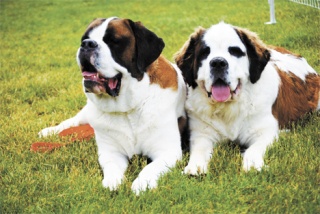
{"x": 311, "y": 3}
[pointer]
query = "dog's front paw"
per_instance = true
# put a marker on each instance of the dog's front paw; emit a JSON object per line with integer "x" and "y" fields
{"x": 111, "y": 183}
{"x": 48, "y": 131}
{"x": 142, "y": 184}
{"x": 252, "y": 160}
{"x": 196, "y": 168}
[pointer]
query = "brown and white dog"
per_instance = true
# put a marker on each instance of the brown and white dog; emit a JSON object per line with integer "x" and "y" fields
{"x": 135, "y": 98}
{"x": 241, "y": 90}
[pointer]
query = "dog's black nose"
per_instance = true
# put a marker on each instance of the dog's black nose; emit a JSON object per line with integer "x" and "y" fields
{"x": 89, "y": 44}
{"x": 219, "y": 63}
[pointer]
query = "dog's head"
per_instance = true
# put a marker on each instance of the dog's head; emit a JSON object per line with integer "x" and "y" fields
{"x": 221, "y": 60}
{"x": 113, "y": 48}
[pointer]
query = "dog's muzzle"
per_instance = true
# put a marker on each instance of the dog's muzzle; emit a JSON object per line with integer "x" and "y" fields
{"x": 220, "y": 89}
{"x": 94, "y": 81}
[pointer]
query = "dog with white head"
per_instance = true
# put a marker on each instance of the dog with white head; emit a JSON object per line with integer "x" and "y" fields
{"x": 242, "y": 90}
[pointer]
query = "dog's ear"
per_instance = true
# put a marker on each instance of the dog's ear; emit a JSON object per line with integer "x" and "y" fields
{"x": 186, "y": 57}
{"x": 148, "y": 46}
{"x": 257, "y": 52}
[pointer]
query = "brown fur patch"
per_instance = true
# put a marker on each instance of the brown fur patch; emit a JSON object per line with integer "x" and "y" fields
{"x": 259, "y": 45}
{"x": 186, "y": 57}
{"x": 257, "y": 52}
{"x": 184, "y": 54}
{"x": 296, "y": 97}
{"x": 95, "y": 23}
{"x": 161, "y": 72}
{"x": 121, "y": 30}
{"x": 122, "y": 27}
{"x": 283, "y": 50}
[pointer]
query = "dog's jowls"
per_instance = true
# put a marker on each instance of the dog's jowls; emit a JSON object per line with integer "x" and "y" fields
{"x": 241, "y": 90}
{"x": 135, "y": 98}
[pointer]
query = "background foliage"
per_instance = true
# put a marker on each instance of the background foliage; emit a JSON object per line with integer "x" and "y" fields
{"x": 40, "y": 85}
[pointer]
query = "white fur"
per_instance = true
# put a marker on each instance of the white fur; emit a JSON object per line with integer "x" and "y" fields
{"x": 141, "y": 120}
{"x": 247, "y": 118}
{"x": 290, "y": 63}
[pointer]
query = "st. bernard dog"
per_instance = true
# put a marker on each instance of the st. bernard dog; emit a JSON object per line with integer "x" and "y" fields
{"x": 241, "y": 90}
{"x": 135, "y": 98}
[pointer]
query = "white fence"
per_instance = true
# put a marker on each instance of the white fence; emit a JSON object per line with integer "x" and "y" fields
{"x": 311, "y": 3}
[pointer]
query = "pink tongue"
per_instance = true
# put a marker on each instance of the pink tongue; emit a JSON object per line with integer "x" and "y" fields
{"x": 220, "y": 93}
{"x": 112, "y": 83}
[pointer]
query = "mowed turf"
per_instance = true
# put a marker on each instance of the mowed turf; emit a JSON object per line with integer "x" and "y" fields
{"x": 40, "y": 85}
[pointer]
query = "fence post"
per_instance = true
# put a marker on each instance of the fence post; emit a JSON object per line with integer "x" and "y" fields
{"x": 272, "y": 13}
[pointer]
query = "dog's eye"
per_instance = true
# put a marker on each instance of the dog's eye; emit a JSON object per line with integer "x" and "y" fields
{"x": 111, "y": 40}
{"x": 236, "y": 51}
{"x": 204, "y": 53}
{"x": 114, "y": 40}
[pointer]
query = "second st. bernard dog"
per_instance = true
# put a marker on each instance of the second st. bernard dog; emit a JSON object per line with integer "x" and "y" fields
{"x": 135, "y": 98}
{"x": 241, "y": 90}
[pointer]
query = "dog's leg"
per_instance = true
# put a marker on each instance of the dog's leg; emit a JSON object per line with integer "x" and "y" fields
{"x": 253, "y": 156}
{"x": 200, "y": 155}
{"x": 79, "y": 119}
{"x": 113, "y": 165}
{"x": 150, "y": 174}
{"x": 164, "y": 151}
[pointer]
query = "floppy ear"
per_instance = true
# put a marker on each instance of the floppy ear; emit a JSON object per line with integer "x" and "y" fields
{"x": 186, "y": 57}
{"x": 257, "y": 52}
{"x": 148, "y": 46}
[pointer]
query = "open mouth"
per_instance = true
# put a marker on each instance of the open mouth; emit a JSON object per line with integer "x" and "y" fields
{"x": 96, "y": 83}
{"x": 221, "y": 92}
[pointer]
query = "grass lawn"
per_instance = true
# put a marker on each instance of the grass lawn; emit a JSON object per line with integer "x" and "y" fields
{"x": 40, "y": 85}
